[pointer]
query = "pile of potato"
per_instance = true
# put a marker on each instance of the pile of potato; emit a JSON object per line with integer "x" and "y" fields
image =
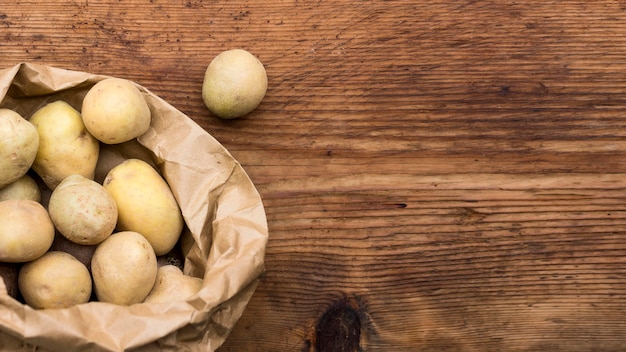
{"x": 86, "y": 240}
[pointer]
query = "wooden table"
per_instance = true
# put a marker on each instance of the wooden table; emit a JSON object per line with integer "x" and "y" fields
{"x": 437, "y": 175}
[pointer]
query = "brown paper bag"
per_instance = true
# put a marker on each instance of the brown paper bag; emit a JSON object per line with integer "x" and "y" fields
{"x": 226, "y": 235}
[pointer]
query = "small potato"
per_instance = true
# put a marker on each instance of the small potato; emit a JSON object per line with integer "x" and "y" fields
{"x": 172, "y": 285}
{"x": 124, "y": 268}
{"x": 55, "y": 280}
{"x": 22, "y": 188}
{"x": 65, "y": 146}
{"x": 115, "y": 111}
{"x": 26, "y": 231}
{"x": 235, "y": 83}
{"x": 82, "y": 210}
{"x": 18, "y": 146}
{"x": 145, "y": 204}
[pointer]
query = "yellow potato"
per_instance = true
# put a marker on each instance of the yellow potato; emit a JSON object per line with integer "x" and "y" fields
{"x": 22, "y": 188}
{"x": 65, "y": 146}
{"x": 26, "y": 231}
{"x": 145, "y": 204}
{"x": 18, "y": 146}
{"x": 235, "y": 83}
{"x": 172, "y": 285}
{"x": 115, "y": 111}
{"x": 55, "y": 280}
{"x": 82, "y": 210}
{"x": 124, "y": 268}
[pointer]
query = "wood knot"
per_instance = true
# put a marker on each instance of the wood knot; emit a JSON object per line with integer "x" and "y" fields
{"x": 339, "y": 328}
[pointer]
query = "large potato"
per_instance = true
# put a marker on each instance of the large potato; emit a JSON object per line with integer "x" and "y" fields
{"x": 18, "y": 146}
{"x": 65, "y": 145}
{"x": 115, "y": 111}
{"x": 55, "y": 280}
{"x": 82, "y": 210}
{"x": 26, "y": 231}
{"x": 145, "y": 204}
{"x": 22, "y": 188}
{"x": 124, "y": 268}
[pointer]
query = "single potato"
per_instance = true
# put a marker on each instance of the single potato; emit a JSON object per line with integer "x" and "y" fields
{"x": 18, "y": 146}
{"x": 235, "y": 83}
{"x": 55, "y": 280}
{"x": 124, "y": 268}
{"x": 26, "y": 231}
{"x": 65, "y": 145}
{"x": 172, "y": 285}
{"x": 115, "y": 111}
{"x": 145, "y": 204}
{"x": 22, "y": 188}
{"x": 82, "y": 210}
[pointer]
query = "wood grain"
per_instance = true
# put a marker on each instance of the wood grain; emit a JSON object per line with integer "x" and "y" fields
{"x": 443, "y": 175}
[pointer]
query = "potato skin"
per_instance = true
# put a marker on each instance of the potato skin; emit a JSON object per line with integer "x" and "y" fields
{"x": 235, "y": 83}
{"x": 55, "y": 280}
{"x": 124, "y": 268}
{"x": 65, "y": 145}
{"x": 19, "y": 143}
{"x": 82, "y": 210}
{"x": 145, "y": 204}
{"x": 26, "y": 230}
{"x": 115, "y": 111}
{"x": 24, "y": 187}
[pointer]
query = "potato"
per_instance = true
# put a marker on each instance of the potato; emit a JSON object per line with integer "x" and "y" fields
{"x": 82, "y": 210}
{"x": 26, "y": 231}
{"x": 22, "y": 188}
{"x": 115, "y": 111}
{"x": 172, "y": 285}
{"x": 145, "y": 204}
{"x": 235, "y": 83}
{"x": 124, "y": 268}
{"x": 65, "y": 145}
{"x": 55, "y": 280}
{"x": 18, "y": 146}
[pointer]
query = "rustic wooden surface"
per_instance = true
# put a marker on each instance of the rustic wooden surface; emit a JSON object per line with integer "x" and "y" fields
{"x": 437, "y": 175}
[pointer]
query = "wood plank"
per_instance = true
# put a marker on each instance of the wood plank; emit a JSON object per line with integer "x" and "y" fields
{"x": 437, "y": 175}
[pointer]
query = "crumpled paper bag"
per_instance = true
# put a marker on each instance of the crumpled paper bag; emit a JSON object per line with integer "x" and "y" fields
{"x": 224, "y": 240}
